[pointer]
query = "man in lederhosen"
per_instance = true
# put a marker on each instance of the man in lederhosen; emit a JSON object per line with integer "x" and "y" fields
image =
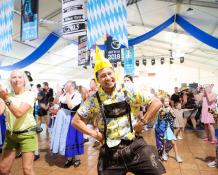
{"x": 116, "y": 108}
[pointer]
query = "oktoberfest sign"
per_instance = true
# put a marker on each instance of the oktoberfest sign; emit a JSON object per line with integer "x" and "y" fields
{"x": 113, "y": 51}
{"x": 73, "y": 18}
{"x": 29, "y": 19}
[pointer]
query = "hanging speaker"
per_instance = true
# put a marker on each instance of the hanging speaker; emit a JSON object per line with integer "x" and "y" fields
{"x": 182, "y": 59}
{"x": 152, "y": 61}
{"x": 122, "y": 63}
{"x": 162, "y": 60}
{"x": 93, "y": 65}
{"x": 137, "y": 62}
{"x": 171, "y": 60}
{"x": 144, "y": 62}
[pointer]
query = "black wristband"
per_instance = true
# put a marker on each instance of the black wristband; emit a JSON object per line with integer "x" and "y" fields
{"x": 8, "y": 102}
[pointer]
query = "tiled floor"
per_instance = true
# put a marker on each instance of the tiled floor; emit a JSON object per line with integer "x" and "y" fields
{"x": 195, "y": 153}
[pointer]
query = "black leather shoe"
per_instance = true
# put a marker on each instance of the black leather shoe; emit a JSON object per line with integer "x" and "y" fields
{"x": 18, "y": 155}
{"x": 68, "y": 163}
{"x": 76, "y": 163}
{"x": 85, "y": 140}
{"x": 36, "y": 157}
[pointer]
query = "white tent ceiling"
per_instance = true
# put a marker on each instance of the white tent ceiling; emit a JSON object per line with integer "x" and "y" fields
{"x": 61, "y": 60}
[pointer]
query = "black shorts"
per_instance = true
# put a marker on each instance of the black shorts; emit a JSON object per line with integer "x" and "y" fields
{"x": 130, "y": 156}
{"x": 42, "y": 112}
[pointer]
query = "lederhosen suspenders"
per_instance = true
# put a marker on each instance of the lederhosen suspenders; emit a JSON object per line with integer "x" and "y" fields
{"x": 114, "y": 110}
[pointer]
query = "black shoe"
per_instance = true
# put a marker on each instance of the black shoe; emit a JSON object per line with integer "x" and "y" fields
{"x": 18, "y": 155}
{"x": 68, "y": 163}
{"x": 36, "y": 157}
{"x": 85, "y": 140}
{"x": 76, "y": 163}
{"x": 96, "y": 144}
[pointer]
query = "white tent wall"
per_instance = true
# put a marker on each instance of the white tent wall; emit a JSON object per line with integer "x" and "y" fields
{"x": 167, "y": 76}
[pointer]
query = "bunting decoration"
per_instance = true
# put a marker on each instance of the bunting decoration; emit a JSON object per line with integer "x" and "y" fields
{"x": 107, "y": 17}
{"x": 6, "y": 24}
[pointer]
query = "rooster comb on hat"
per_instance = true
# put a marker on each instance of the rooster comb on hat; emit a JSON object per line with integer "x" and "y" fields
{"x": 100, "y": 62}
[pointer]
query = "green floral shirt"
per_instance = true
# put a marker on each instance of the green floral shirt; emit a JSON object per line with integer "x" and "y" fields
{"x": 117, "y": 128}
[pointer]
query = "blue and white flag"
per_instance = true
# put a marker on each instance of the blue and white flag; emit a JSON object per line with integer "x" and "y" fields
{"x": 29, "y": 20}
{"x": 107, "y": 17}
{"x": 129, "y": 61}
{"x": 6, "y": 24}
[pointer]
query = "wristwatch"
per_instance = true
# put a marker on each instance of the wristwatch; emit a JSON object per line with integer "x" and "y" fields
{"x": 8, "y": 102}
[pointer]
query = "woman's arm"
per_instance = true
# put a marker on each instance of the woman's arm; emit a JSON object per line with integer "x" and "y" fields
{"x": 211, "y": 97}
{"x": 17, "y": 111}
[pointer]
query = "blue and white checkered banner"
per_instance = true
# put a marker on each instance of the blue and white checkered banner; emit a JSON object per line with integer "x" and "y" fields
{"x": 107, "y": 17}
{"x": 6, "y": 24}
{"x": 129, "y": 61}
{"x": 29, "y": 20}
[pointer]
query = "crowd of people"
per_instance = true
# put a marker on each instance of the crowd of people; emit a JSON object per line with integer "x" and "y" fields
{"x": 118, "y": 113}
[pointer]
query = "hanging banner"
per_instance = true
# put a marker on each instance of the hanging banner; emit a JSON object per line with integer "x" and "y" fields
{"x": 84, "y": 54}
{"x": 107, "y": 17}
{"x": 29, "y": 20}
{"x": 73, "y": 18}
{"x": 113, "y": 52}
{"x": 6, "y": 24}
{"x": 129, "y": 61}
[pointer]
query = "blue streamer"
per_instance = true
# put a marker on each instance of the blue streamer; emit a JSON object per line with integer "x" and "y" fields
{"x": 35, "y": 55}
{"x": 197, "y": 33}
{"x": 147, "y": 35}
{"x": 52, "y": 38}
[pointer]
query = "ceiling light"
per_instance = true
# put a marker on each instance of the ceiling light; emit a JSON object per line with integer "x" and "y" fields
{"x": 144, "y": 61}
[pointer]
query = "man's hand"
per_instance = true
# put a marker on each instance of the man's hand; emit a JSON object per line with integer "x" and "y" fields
{"x": 139, "y": 127}
{"x": 99, "y": 137}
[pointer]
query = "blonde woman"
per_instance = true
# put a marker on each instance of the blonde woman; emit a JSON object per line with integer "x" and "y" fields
{"x": 17, "y": 106}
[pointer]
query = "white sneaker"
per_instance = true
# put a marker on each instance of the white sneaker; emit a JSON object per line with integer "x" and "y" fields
{"x": 178, "y": 159}
{"x": 165, "y": 157}
{"x": 213, "y": 164}
{"x": 179, "y": 138}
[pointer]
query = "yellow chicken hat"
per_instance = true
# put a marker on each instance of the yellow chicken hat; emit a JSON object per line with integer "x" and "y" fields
{"x": 100, "y": 62}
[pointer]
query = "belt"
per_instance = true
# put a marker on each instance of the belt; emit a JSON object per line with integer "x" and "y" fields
{"x": 21, "y": 132}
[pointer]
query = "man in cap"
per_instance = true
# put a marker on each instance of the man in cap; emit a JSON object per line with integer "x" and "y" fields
{"x": 115, "y": 107}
